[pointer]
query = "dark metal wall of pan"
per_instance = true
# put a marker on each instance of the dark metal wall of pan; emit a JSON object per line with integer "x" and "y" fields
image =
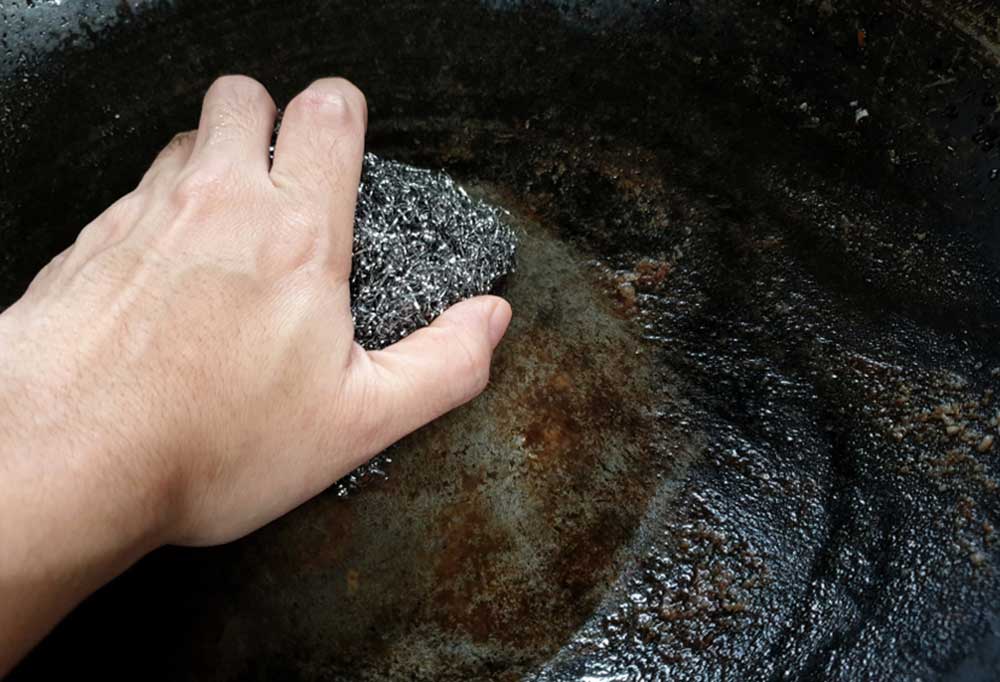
{"x": 745, "y": 424}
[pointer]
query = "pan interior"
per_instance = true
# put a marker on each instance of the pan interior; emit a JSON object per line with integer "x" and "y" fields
{"x": 759, "y": 289}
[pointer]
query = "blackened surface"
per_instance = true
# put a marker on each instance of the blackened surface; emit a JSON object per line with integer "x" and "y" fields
{"x": 796, "y": 204}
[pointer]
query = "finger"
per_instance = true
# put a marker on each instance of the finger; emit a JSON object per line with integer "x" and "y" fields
{"x": 50, "y": 272}
{"x": 237, "y": 121}
{"x": 171, "y": 159}
{"x": 317, "y": 159}
{"x": 113, "y": 225}
{"x": 430, "y": 372}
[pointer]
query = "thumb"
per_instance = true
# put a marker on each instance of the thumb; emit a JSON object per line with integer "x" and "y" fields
{"x": 430, "y": 372}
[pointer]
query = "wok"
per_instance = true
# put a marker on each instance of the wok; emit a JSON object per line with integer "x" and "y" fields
{"x": 741, "y": 428}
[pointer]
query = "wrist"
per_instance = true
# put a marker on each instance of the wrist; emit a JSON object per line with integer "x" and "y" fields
{"x": 78, "y": 499}
{"x": 72, "y": 515}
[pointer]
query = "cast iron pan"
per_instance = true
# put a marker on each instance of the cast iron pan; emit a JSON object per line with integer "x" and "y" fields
{"x": 758, "y": 292}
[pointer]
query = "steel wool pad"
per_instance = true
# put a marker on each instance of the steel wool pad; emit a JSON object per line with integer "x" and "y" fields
{"x": 421, "y": 244}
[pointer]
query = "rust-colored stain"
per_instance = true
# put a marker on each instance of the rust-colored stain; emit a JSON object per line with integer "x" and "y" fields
{"x": 470, "y": 564}
{"x": 565, "y": 417}
{"x": 469, "y": 545}
{"x": 353, "y": 581}
{"x": 585, "y": 557}
{"x": 470, "y": 481}
{"x": 553, "y": 428}
{"x": 652, "y": 273}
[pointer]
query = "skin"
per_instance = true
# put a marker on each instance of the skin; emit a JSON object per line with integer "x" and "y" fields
{"x": 186, "y": 372}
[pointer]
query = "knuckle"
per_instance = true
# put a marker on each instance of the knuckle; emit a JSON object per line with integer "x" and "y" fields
{"x": 172, "y": 154}
{"x": 241, "y": 103}
{"x": 124, "y": 212}
{"x": 181, "y": 140}
{"x": 50, "y": 271}
{"x": 335, "y": 100}
{"x": 92, "y": 239}
{"x": 349, "y": 91}
{"x": 328, "y": 103}
{"x": 116, "y": 221}
{"x": 199, "y": 184}
{"x": 241, "y": 88}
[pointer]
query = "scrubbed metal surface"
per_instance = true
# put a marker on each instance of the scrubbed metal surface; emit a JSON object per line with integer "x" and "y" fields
{"x": 421, "y": 244}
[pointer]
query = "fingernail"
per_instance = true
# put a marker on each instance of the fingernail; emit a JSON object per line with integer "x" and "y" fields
{"x": 499, "y": 320}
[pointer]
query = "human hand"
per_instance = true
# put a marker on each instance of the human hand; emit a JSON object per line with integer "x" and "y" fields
{"x": 192, "y": 356}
